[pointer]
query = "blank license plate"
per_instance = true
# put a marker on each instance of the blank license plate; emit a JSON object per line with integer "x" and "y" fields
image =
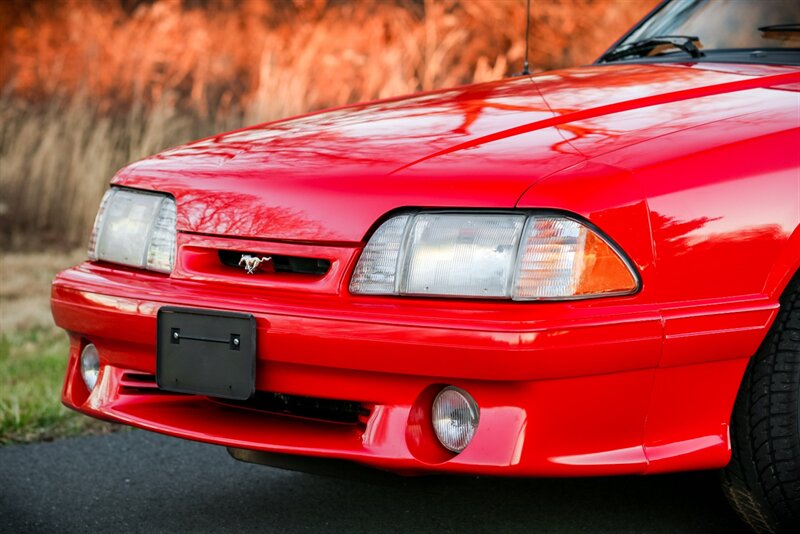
{"x": 206, "y": 352}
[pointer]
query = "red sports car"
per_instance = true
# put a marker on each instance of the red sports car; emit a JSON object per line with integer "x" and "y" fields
{"x": 591, "y": 271}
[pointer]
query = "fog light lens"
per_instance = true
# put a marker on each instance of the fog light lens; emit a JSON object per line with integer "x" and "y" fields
{"x": 455, "y": 418}
{"x": 90, "y": 365}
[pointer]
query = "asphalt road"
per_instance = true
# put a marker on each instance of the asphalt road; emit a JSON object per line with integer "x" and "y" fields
{"x": 141, "y": 482}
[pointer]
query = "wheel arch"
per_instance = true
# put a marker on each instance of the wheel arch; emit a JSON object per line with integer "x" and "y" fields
{"x": 786, "y": 267}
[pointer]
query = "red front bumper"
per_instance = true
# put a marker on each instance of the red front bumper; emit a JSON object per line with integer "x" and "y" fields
{"x": 603, "y": 387}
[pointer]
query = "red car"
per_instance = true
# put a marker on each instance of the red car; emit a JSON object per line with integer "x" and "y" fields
{"x": 592, "y": 271}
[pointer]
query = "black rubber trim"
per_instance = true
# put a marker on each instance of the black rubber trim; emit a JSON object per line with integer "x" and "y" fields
{"x": 328, "y": 467}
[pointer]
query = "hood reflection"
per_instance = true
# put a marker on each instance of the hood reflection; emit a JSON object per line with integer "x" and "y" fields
{"x": 309, "y": 178}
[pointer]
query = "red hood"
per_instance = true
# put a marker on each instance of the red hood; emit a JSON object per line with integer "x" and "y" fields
{"x": 329, "y": 176}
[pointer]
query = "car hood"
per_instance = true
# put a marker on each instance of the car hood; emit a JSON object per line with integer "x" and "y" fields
{"x": 328, "y": 176}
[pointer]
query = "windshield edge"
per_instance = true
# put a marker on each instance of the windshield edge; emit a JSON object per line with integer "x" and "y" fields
{"x": 632, "y": 29}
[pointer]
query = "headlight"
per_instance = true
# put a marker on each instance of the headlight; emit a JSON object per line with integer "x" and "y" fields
{"x": 492, "y": 255}
{"x": 135, "y": 228}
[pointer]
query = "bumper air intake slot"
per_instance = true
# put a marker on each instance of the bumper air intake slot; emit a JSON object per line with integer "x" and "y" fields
{"x": 328, "y": 410}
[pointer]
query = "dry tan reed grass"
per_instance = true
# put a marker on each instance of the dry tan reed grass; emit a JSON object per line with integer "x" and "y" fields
{"x": 88, "y": 85}
{"x": 56, "y": 160}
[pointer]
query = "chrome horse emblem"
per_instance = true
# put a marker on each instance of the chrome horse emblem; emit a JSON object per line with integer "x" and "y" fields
{"x": 251, "y": 263}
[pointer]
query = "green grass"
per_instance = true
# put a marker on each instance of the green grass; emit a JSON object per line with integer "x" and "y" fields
{"x": 32, "y": 366}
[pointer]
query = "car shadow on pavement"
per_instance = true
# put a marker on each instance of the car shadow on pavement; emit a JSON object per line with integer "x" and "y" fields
{"x": 690, "y": 502}
{"x": 142, "y": 482}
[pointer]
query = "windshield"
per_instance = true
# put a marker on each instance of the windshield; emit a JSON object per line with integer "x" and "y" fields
{"x": 719, "y": 25}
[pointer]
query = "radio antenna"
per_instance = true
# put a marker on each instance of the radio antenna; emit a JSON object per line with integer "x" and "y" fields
{"x": 525, "y": 70}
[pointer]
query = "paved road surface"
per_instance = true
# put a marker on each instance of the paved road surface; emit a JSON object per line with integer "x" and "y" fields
{"x": 141, "y": 482}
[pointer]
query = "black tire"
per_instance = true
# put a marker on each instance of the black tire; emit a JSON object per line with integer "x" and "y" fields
{"x": 762, "y": 481}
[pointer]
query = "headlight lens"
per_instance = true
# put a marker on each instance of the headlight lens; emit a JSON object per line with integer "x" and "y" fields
{"x": 518, "y": 256}
{"x": 135, "y": 228}
{"x": 461, "y": 255}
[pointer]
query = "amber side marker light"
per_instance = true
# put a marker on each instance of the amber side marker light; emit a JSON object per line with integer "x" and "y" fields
{"x": 563, "y": 258}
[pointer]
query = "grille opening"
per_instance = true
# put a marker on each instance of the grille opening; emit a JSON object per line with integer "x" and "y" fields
{"x": 278, "y": 263}
{"x": 334, "y": 411}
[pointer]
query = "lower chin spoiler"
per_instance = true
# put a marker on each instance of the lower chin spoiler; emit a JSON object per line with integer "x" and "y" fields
{"x": 329, "y": 467}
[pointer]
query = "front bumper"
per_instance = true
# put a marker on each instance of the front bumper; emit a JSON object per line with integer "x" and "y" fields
{"x": 596, "y": 388}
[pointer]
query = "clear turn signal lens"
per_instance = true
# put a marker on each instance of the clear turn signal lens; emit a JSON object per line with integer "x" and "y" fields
{"x": 376, "y": 271}
{"x": 161, "y": 252}
{"x": 98, "y": 223}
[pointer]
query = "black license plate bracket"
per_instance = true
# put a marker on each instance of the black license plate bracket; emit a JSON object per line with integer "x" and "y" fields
{"x": 206, "y": 352}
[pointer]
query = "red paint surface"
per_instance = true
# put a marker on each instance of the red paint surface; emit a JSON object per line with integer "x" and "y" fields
{"x": 693, "y": 170}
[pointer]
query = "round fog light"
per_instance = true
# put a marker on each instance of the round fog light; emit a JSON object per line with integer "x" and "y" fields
{"x": 455, "y": 418}
{"x": 90, "y": 365}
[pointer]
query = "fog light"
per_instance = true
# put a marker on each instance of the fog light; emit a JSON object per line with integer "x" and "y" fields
{"x": 90, "y": 365}
{"x": 455, "y": 418}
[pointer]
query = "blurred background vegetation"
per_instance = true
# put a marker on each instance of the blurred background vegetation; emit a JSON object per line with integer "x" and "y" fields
{"x": 87, "y": 86}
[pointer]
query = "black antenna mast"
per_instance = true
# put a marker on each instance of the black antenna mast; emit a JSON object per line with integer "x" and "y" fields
{"x": 525, "y": 70}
